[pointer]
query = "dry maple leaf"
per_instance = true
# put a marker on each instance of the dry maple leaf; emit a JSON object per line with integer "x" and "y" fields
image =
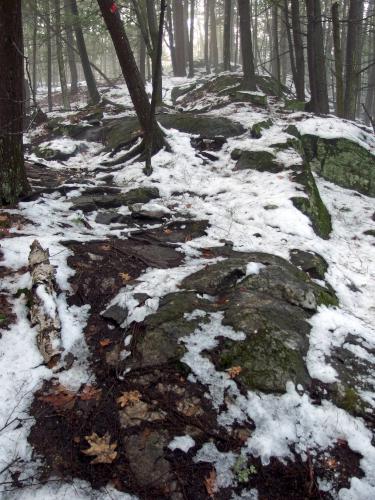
{"x": 101, "y": 448}
{"x": 130, "y": 397}
{"x": 59, "y": 397}
{"x": 90, "y": 392}
{"x": 234, "y": 371}
{"x": 210, "y": 484}
{"x": 125, "y": 277}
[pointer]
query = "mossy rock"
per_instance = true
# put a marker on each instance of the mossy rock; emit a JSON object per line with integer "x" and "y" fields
{"x": 163, "y": 330}
{"x": 181, "y": 90}
{"x": 342, "y": 161}
{"x": 256, "y": 129}
{"x": 54, "y": 154}
{"x": 310, "y": 262}
{"x": 312, "y": 205}
{"x": 254, "y": 98}
{"x": 262, "y": 161}
{"x": 121, "y": 131}
{"x": 348, "y": 399}
{"x": 294, "y": 105}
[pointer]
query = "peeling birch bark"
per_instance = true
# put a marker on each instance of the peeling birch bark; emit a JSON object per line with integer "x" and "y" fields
{"x": 43, "y": 311}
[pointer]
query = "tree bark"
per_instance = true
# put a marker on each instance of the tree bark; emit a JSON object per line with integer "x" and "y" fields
{"x": 69, "y": 47}
{"x": 172, "y": 48}
{"x": 178, "y": 22}
{"x": 49, "y": 54}
{"x": 298, "y": 49}
{"x": 206, "y": 39}
{"x": 151, "y": 130}
{"x": 353, "y": 58}
{"x": 249, "y": 81}
{"x": 94, "y": 96}
{"x": 275, "y": 55}
{"x": 227, "y": 34}
{"x": 213, "y": 36}
{"x": 316, "y": 59}
{"x": 13, "y": 182}
{"x": 60, "y": 57}
{"x": 338, "y": 60}
{"x": 191, "y": 39}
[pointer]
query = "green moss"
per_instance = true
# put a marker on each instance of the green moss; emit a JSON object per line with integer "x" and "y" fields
{"x": 256, "y": 129}
{"x": 294, "y": 105}
{"x": 312, "y": 206}
{"x": 349, "y": 400}
{"x": 2, "y": 318}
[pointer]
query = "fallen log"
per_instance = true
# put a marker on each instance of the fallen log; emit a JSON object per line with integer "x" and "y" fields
{"x": 43, "y": 310}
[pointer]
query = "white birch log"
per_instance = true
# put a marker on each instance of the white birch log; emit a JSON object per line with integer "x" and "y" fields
{"x": 43, "y": 311}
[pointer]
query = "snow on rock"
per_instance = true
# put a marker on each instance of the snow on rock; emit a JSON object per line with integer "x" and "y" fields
{"x": 183, "y": 443}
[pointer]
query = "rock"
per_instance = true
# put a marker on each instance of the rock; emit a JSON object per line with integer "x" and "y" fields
{"x": 54, "y": 152}
{"x": 107, "y": 218}
{"x": 255, "y": 98}
{"x": 312, "y": 205}
{"x": 145, "y": 453}
{"x": 342, "y": 161}
{"x": 294, "y": 105}
{"x": 91, "y": 203}
{"x": 262, "y": 161}
{"x": 176, "y": 232}
{"x": 208, "y": 143}
{"x": 116, "y": 313}
{"x": 256, "y": 129}
{"x": 310, "y": 262}
{"x": 181, "y": 90}
{"x": 369, "y": 232}
{"x": 160, "y": 344}
{"x": 139, "y": 211}
{"x": 119, "y": 131}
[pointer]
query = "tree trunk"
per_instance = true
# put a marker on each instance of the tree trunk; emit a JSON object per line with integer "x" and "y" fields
{"x": 34, "y": 60}
{"x": 353, "y": 58}
{"x": 246, "y": 45}
{"x": 142, "y": 57}
{"x": 153, "y": 29}
{"x": 60, "y": 57}
{"x": 316, "y": 59}
{"x": 275, "y": 55}
{"x": 338, "y": 60}
{"x": 298, "y": 50}
{"x": 172, "y": 47}
{"x": 206, "y": 39}
{"x": 213, "y": 36}
{"x": 179, "y": 36}
{"x": 290, "y": 43}
{"x": 94, "y": 96}
{"x": 191, "y": 39}
{"x": 133, "y": 78}
{"x": 227, "y": 34}
{"x": 49, "y": 54}
{"x": 69, "y": 48}
{"x": 13, "y": 182}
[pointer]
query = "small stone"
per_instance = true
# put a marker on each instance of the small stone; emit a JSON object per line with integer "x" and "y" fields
{"x": 116, "y": 313}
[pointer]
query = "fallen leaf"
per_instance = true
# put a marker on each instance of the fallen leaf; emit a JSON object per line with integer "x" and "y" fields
{"x": 105, "y": 342}
{"x": 130, "y": 397}
{"x": 101, "y": 448}
{"x": 90, "y": 392}
{"x": 234, "y": 371}
{"x": 210, "y": 484}
{"x": 168, "y": 231}
{"x": 59, "y": 397}
{"x": 207, "y": 254}
{"x": 331, "y": 463}
{"x": 125, "y": 277}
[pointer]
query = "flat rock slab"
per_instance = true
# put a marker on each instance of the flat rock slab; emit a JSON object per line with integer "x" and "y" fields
{"x": 176, "y": 232}
{"x": 92, "y": 202}
{"x": 262, "y": 161}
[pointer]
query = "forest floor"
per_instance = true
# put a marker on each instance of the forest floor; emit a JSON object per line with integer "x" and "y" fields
{"x": 155, "y": 277}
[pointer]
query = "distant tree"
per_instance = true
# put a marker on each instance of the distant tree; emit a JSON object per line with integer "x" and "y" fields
{"x": 60, "y": 56}
{"x": 227, "y": 34}
{"x": 68, "y": 21}
{"x": 179, "y": 37}
{"x": 298, "y": 50}
{"x": 338, "y": 59}
{"x": 13, "y": 181}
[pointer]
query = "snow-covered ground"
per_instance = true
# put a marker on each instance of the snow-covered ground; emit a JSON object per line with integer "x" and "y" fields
{"x": 235, "y": 203}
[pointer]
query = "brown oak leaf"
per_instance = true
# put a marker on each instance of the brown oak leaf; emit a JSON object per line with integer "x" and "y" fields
{"x": 234, "y": 371}
{"x": 59, "y": 397}
{"x": 211, "y": 484}
{"x": 125, "y": 277}
{"x": 90, "y": 392}
{"x": 101, "y": 448}
{"x": 130, "y": 397}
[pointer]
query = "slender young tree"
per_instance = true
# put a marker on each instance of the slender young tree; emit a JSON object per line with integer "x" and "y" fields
{"x": 298, "y": 50}
{"x": 94, "y": 96}
{"x": 13, "y": 181}
{"x": 69, "y": 47}
{"x": 152, "y": 134}
{"x": 60, "y": 56}
{"x": 191, "y": 39}
{"x": 179, "y": 37}
{"x": 249, "y": 81}
{"x": 338, "y": 60}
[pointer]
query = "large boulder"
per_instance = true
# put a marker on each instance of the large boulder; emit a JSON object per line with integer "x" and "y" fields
{"x": 342, "y": 161}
